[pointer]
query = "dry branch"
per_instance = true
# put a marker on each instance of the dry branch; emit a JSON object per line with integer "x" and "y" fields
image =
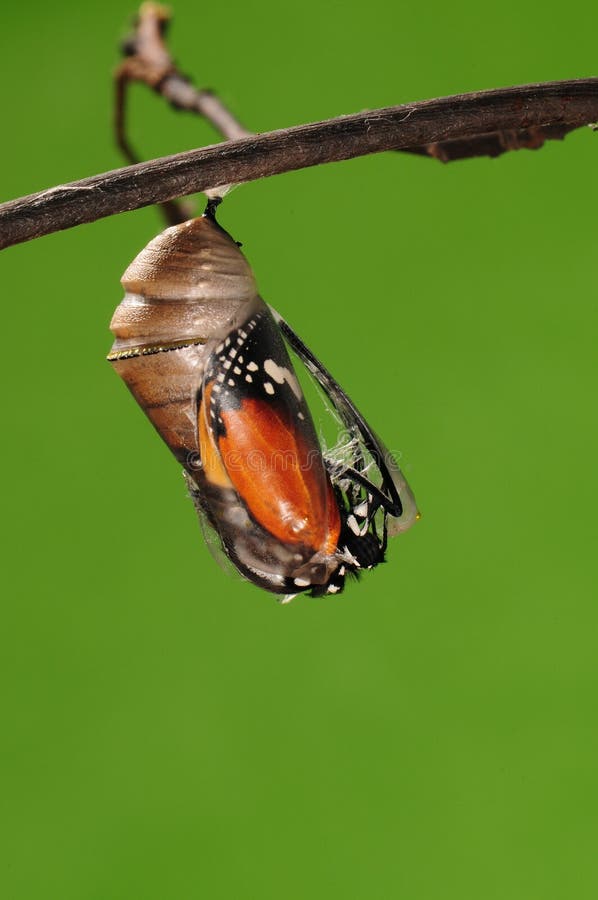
{"x": 484, "y": 123}
{"x": 540, "y": 110}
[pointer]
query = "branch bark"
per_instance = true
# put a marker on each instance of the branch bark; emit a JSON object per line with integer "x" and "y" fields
{"x": 549, "y": 109}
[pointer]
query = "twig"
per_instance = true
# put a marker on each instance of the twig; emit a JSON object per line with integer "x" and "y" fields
{"x": 563, "y": 106}
{"x": 149, "y": 61}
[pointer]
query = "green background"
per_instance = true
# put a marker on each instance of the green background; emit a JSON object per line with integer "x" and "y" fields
{"x": 169, "y": 733}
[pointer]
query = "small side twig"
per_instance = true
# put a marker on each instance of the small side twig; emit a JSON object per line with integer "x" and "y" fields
{"x": 149, "y": 61}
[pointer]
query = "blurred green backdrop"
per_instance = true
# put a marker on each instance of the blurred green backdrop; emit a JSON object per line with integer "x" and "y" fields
{"x": 170, "y": 733}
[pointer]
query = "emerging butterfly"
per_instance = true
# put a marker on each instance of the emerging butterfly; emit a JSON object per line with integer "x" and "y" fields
{"x": 206, "y": 359}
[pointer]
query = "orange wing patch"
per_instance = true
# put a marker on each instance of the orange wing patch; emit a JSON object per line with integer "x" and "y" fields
{"x": 278, "y": 471}
{"x": 212, "y": 466}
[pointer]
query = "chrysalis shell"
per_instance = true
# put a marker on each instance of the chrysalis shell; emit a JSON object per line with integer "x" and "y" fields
{"x": 181, "y": 291}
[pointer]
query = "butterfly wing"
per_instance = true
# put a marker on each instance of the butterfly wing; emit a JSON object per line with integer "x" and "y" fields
{"x": 364, "y": 453}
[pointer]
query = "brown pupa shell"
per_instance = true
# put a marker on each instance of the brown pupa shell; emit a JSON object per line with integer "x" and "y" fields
{"x": 181, "y": 291}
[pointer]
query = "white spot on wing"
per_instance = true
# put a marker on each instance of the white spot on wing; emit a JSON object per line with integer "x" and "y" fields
{"x": 269, "y": 388}
{"x": 252, "y": 367}
{"x": 280, "y": 374}
{"x": 352, "y": 523}
{"x": 348, "y": 557}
